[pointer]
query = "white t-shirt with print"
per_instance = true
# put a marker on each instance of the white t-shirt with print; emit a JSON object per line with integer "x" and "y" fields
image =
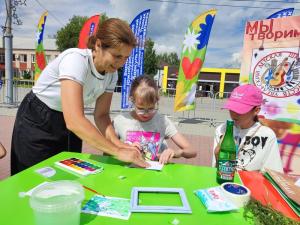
{"x": 77, "y": 65}
{"x": 150, "y": 134}
{"x": 256, "y": 152}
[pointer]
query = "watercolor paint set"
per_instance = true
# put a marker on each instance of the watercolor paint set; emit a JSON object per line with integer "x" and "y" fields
{"x": 79, "y": 166}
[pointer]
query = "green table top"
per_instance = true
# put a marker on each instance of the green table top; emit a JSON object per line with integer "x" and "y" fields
{"x": 15, "y": 210}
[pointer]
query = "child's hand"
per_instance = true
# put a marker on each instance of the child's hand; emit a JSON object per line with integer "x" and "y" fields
{"x": 166, "y": 156}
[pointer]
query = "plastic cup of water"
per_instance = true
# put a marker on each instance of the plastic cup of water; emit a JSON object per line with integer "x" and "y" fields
{"x": 57, "y": 203}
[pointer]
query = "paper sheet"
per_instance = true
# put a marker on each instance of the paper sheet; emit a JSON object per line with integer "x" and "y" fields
{"x": 154, "y": 165}
{"x": 108, "y": 206}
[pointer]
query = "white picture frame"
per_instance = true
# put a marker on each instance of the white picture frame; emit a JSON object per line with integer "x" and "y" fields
{"x": 135, "y": 207}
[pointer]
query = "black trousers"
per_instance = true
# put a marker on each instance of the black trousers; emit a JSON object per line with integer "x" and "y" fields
{"x": 39, "y": 133}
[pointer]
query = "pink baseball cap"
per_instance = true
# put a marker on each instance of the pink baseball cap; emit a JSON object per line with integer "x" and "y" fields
{"x": 243, "y": 98}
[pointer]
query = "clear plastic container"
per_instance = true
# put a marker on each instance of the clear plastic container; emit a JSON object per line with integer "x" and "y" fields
{"x": 57, "y": 203}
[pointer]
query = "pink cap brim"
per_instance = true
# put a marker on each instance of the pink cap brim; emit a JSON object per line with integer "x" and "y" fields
{"x": 237, "y": 107}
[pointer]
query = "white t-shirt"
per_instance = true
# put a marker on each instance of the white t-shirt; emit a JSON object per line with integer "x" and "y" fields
{"x": 150, "y": 134}
{"x": 256, "y": 151}
{"x": 74, "y": 64}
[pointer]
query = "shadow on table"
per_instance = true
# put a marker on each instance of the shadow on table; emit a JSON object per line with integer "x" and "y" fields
{"x": 86, "y": 218}
{"x": 106, "y": 159}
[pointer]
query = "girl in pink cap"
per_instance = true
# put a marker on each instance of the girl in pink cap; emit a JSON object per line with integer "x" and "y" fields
{"x": 256, "y": 144}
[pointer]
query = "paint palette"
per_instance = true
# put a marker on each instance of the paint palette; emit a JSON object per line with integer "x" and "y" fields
{"x": 79, "y": 166}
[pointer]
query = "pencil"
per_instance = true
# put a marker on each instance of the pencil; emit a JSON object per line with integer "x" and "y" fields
{"x": 92, "y": 190}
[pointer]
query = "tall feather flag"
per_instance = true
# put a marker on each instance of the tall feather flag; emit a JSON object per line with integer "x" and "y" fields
{"x": 40, "y": 62}
{"x": 88, "y": 29}
{"x": 192, "y": 58}
{"x": 282, "y": 13}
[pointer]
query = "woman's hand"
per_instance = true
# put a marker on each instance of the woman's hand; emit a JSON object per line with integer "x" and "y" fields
{"x": 133, "y": 156}
{"x": 166, "y": 156}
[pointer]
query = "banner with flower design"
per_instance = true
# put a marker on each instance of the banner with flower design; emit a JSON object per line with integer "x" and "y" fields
{"x": 40, "y": 58}
{"x": 192, "y": 58}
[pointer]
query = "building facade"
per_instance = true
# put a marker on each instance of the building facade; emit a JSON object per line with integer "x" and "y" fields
{"x": 24, "y": 56}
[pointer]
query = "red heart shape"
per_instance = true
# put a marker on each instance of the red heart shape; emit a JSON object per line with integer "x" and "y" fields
{"x": 40, "y": 59}
{"x": 190, "y": 70}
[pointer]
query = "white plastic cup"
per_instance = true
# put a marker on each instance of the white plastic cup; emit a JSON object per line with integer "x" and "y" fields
{"x": 57, "y": 203}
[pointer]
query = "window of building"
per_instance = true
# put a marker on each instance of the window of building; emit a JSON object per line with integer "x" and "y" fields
{"x": 2, "y": 58}
{"x": 23, "y": 58}
{"x": 14, "y": 57}
{"x": 48, "y": 58}
{"x": 32, "y": 58}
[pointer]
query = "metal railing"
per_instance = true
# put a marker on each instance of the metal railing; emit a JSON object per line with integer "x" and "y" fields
{"x": 207, "y": 104}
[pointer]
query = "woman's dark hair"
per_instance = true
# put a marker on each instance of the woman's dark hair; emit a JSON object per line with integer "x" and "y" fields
{"x": 145, "y": 88}
{"x": 112, "y": 33}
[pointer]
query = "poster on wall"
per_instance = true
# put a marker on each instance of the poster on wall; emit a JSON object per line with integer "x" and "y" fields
{"x": 271, "y": 62}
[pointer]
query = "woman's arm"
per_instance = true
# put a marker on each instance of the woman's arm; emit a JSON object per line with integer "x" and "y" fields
{"x": 103, "y": 121}
{"x": 73, "y": 111}
{"x": 2, "y": 151}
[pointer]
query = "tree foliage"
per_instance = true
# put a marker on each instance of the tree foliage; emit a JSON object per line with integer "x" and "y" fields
{"x": 171, "y": 59}
{"x": 67, "y": 37}
{"x": 150, "y": 58}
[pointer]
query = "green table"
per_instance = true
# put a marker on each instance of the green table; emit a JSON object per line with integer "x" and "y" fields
{"x": 16, "y": 211}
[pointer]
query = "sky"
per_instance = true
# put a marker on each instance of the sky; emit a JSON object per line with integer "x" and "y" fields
{"x": 168, "y": 21}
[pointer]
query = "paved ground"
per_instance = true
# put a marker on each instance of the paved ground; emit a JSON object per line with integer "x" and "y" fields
{"x": 195, "y": 125}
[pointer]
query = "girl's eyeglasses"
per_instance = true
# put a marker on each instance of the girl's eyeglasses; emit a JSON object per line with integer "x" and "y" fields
{"x": 140, "y": 111}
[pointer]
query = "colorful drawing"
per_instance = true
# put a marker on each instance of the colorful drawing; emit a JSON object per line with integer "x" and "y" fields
{"x": 40, "y": 61}
{"x": 149, "y": 141}
{"x": 108, "y": 206}
{"x": 288, "y": 135}
{"x": 192, "y": 58}
{"x": 273, "y": 64}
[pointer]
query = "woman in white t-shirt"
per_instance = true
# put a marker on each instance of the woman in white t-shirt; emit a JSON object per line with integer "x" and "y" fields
{"x": 51, "y": 117}
{"x": 257, "y": 144}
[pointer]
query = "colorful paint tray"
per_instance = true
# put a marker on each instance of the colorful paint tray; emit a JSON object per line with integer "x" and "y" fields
{"x": 79, "y": 166}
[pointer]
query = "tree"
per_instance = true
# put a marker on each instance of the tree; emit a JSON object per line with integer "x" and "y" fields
{"x": 169, "y": 58}
{"x": 67, "y": 37}
{"x": 150, "y": 58}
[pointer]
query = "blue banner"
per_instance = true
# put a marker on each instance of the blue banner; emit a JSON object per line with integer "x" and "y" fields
{"x": 134, "y": 65}
{"x": 282, "y": 13}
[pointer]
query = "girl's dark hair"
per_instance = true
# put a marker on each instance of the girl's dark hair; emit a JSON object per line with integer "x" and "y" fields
{"x": 145, "y": 88}
{"x": 112, "y": 33}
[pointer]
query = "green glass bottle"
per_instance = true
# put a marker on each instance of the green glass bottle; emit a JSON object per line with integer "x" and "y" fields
{"x": 226, "y": 163}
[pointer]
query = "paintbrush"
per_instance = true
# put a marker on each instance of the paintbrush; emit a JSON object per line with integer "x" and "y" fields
{"x": 92, "y": 190}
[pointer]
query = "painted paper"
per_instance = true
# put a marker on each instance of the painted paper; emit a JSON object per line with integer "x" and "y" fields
{"x": 134, "y": 65}
{"x": 108, "y": 206}
{"x": 192, "y": 58}
{"x": 40, "y": 58}
{"x": 149, "y": 142}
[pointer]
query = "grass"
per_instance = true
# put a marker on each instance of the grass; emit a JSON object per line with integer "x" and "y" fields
{"x": 265, "y": 215}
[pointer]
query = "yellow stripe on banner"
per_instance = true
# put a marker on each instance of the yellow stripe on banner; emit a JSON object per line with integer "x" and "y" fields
{"x": 165, "y": 79}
